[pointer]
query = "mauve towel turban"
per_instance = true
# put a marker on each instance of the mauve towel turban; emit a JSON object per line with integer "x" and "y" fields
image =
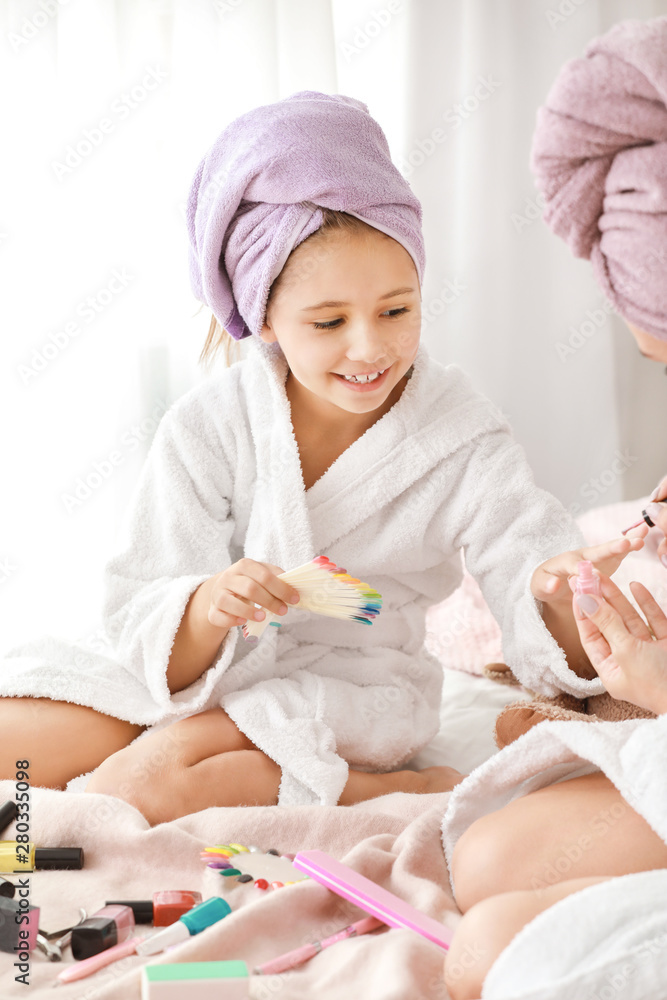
{"x": 256, "y": 193}
{"x": 600, "y": 158}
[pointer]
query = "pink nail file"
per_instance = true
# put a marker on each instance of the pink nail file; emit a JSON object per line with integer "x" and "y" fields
{"x": 370, "y": 897}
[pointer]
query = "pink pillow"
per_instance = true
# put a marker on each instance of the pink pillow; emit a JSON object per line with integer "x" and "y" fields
{"x": 463, "y": 634}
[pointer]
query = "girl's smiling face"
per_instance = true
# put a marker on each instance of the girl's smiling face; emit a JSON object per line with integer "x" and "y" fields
{"x": 347, "y": 304}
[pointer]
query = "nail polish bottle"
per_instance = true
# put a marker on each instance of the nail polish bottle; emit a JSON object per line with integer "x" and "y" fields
{"x": 7, "y": 815}
{"x": 7, "y": 888}
{"x": 18, "y": 936}
{"x": 165, "y": 908}
{"x": 586, "y": 581}
{"x": 109, "y": 926}
{"x": 15, "y": 857}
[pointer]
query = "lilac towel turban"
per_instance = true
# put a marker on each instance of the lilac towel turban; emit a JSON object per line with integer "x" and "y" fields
{"x": 600, "y": 158}
{"x": 256, "y": 193}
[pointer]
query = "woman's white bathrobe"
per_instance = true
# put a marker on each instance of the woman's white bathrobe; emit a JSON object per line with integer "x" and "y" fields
{"x": 438, "y": 473}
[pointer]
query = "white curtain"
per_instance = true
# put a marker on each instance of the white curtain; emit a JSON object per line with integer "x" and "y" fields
{"x": 107, "y": 107}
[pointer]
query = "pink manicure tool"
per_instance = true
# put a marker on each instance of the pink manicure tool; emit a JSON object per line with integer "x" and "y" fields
{"x": 292, "y": 959}
{"x": 79, "y": 970}
{"x": 370, "y": 897}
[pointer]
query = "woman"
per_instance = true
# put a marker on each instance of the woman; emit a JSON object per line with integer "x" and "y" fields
{"x": 570, "y": 805}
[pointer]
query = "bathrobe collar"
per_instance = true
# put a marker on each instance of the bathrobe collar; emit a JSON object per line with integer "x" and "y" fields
{"x": 434, "y": 415}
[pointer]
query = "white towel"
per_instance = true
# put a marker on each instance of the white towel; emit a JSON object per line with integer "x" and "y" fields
{"x": 606, "y": 942}
{"x": 439, "y": 472}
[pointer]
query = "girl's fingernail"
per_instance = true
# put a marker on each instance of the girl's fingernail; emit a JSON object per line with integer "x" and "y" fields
{"x": 294, "y": 599}
{"x": 259, "y": 616}
{"x": 282, "y": 610}
{"x": 587, "y": 603}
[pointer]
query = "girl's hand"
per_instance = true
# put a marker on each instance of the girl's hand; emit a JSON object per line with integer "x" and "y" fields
{"x": 246, "y": 583}
{"x": 631, "y": 664}
{"x": 550, "y": 581}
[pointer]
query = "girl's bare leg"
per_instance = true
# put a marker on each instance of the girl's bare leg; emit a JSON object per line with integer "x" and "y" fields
{"x": 60, "y": 740}
{"x": 489, "y": 926}
{"x": 575, "y": 829}
{"x": 206, "y": 761}
{"x": 192, "y": 764}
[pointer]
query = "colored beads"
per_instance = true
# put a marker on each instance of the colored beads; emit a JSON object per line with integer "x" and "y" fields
{"x": 244, "y": 878}
{"x": 261, "y": 883}
{"x": 227, "y": 872}
{"x": 277, "y": 885}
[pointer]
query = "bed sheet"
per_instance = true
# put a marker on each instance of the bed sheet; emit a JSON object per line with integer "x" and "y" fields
{"x": 394, "y": 840}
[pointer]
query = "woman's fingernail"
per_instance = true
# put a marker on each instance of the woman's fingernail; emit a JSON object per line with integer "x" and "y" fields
{"x": 587, "y": 603}
{"x": 259, "y": 615}
{"x": 295, "y": 598}
{"x": 282, "y": 610}
{"x": 654, "y": 510}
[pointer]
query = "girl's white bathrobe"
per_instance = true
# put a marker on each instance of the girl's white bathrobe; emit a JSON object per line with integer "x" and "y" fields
{"x": 437, "y": 474}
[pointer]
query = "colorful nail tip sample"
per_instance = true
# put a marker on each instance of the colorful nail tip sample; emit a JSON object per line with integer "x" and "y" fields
{"x": 265, "y": 870}
{"x": 325, "y": 589}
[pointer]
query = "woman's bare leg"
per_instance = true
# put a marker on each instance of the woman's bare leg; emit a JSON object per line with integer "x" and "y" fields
{"x": 575, "y": 829}
{"x": 205, "y": 761}
{"x": 489, "y": 926}
{"x": 60, "y": 740}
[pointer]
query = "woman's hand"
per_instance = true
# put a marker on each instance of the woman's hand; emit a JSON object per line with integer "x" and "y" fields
{"x": 631, "y": 664}
{"x": 239, "y": 587}
{"x": 550, "y": 581}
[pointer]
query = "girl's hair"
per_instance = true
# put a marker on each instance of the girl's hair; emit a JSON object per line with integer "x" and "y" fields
{"x": 218, "y": 339}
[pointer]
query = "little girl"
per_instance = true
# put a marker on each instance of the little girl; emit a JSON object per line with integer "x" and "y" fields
{"x": 337, "y": 435}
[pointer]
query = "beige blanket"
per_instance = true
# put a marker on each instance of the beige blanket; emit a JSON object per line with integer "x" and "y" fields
{"x": 394, "y": 840}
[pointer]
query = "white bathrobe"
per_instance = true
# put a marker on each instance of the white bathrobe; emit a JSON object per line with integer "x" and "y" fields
{"x": 438, "y": 473}
{"x": 608, "y": 940}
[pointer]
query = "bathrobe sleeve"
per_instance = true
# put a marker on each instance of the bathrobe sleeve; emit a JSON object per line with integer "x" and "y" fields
{"x": 178, "y": 529}
{"x": 507, "y": 527}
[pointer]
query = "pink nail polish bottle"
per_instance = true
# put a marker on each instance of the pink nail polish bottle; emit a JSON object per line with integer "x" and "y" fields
{"x": 109, "y": 926}
{"x": 587, "y": 581}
